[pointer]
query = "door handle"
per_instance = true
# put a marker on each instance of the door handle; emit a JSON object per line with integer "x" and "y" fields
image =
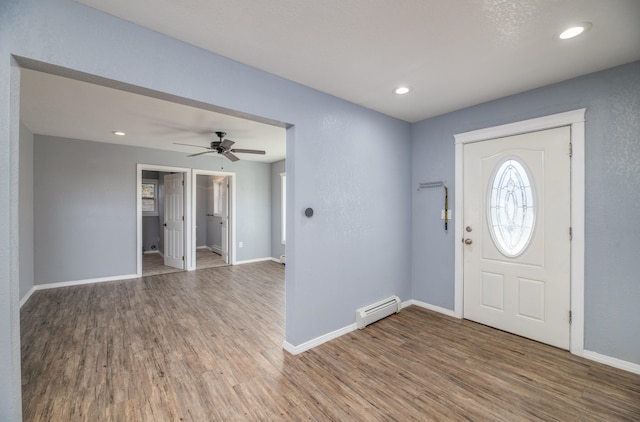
{"x": 468, "y": 241}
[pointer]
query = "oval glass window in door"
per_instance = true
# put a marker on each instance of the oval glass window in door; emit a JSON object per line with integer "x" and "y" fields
{"x": 512, "y": 208}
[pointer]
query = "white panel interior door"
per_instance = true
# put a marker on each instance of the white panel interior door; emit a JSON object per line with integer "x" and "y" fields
{"x": 174, "y": 220}
{"x": 224, "y": 192}
{"x": 517, "y": 240}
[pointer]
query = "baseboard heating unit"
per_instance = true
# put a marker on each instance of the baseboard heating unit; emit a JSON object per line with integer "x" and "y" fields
{"x": 376, "y": 311}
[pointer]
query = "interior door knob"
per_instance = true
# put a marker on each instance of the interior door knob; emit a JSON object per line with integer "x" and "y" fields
{"x": 468, "y": 241}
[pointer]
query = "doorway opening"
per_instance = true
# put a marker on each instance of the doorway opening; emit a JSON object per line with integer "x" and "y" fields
{"x": 214, "y": 228}
{"x": 575, "y": 121}
{"x": 163, "y": 218}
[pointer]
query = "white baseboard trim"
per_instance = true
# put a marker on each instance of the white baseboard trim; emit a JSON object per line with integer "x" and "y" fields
{"x": 615, "y": 362}
{"x": 203, "y": 247}
{"x": 80, "y": 282}
{"x": 150, "y": 252}
{"x": 249, "y": 261}
{"x": 216, "y": 249}
{"x": 430, "y": 307}
{"x": 26, "y": 296}
{"x": 307, "y": 345}
{"x": 276, "y": 260}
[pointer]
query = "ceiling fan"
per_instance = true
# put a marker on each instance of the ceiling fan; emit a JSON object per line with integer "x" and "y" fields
{"x": 222, "y": 147}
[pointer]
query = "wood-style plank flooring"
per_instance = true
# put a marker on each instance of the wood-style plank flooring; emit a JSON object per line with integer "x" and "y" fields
{"x": 207, "y": 346}
{"x": 153, "y": 263}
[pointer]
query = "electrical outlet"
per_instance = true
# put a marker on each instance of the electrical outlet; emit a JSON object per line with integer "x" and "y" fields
{"x": 240, "y": 244}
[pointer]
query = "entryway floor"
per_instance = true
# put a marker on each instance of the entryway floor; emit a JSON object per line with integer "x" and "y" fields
{"x": 153, "y": 264}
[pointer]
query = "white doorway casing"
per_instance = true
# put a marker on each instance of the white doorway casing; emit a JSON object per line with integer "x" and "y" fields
{"x": 231, "y": 177}
{"x": 189, "y": 253}
{"x": 575, "y": 119}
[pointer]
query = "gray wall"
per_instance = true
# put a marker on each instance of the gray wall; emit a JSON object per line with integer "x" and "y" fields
{"x": 277, "y": 248}
{"x": 85, "y": 216}
{"x": 26, "y": 211}
{"x": 612, "y": 286}
{"x": 151, "y": 233}
{"x": 325, "y": 253}
{"x": 151, "y": 224}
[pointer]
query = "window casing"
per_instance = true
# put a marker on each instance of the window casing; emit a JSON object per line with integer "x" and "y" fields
{"x": 217, "y": 197}
{"x": 149, "y": 190}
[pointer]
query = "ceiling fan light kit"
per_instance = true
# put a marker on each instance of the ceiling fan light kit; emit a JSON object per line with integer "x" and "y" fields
{"x": 222, "y": 147}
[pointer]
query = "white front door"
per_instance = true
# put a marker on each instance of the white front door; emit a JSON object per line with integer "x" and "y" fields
{"x": 224, "y": 192}
{"x": 174, "y": 220}
{"x": 517, "y": 234}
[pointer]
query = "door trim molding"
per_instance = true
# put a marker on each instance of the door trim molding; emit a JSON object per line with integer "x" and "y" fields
{"x": 575, "y": 119}
{"x": 187, "y": 210}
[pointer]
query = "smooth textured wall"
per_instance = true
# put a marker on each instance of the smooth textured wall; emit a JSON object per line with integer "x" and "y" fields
{"x": 25, "y": 212}
{"x": 151, "y": 223}
{"x": 277, "y": 248}
{"x": 150, "y": 233}
{"x": 85, "y": 216}
{"x": 338, "y": 162}
{"x": 612, "y": 284}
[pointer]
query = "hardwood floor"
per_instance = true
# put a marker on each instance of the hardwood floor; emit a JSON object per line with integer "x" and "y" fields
{"x": 207, "y": 346}
{"x": 153, "y": 263}
{"x": 206, "y": 258}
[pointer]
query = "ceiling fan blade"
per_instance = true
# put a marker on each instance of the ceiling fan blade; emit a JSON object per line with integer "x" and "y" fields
{"x": 226, "y": 144}
{"x": 248, "y": 151}
{"x": 230, "y": 156}
{"x": 200, "y": 153}
{"x": 190, "y": 145}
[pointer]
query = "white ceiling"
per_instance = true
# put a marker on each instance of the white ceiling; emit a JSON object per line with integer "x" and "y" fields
{"x": 58, "y": 106}
{"x": 453, "y": 53}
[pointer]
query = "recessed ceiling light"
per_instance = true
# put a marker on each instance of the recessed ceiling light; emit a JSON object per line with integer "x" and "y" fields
{"x": 118, "y": 133}
{"x": 402, "y": 90}
{"x": 574, "y": 31}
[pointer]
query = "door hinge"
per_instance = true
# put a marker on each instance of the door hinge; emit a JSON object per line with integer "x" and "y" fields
{"x": 183, "y": 218}
{"x": 570, "y": 233}
{"x": 183, "y": 257}
{"x": 570, "y": 149}
{"x": 183, "y": 183}
{"x": 570, "y": 317}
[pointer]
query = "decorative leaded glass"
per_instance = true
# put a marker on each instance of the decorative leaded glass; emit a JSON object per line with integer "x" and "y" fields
{"x": 512, "y": 208}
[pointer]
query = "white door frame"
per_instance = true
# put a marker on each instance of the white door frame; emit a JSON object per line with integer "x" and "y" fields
{"x": 189, "y": 252}
{"x": 232, "y": 212}
{"x": 575, "y": 119}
